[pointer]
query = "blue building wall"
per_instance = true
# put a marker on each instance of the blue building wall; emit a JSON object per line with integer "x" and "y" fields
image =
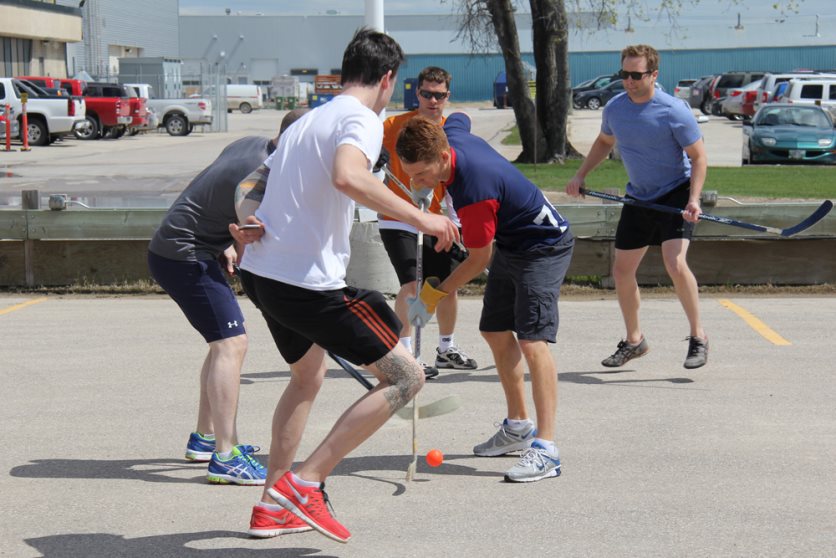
{"x": 473, "y": 76}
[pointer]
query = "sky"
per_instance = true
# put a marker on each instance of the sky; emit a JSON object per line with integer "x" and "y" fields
{"x": 704, "y": 9}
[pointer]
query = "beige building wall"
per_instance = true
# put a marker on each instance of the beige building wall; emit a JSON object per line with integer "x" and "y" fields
{"x": 39, "y": 40}
{"x": 27, "y": 23}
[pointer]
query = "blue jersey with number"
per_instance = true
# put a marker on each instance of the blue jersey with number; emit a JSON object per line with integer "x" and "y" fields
{"x": 493, "y": 199}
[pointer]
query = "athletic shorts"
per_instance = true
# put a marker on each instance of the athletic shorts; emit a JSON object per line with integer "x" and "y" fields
{"x": 640, "y": 227}
{"x": 356, "y": 324}
{"x": 200, "y": 289}
{"x": 523, "y": 289}
{"x": 402, "y": 247}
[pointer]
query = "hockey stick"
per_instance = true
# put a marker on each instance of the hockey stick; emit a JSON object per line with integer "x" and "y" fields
{"x": 416, "y": 342}
{"x": 814, "y": 218}
{"x": 441, "y": 407}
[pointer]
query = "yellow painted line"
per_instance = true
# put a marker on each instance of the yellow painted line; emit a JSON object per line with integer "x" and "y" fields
{"x": 22, "y": 305}
{"x": 767, "y": 332}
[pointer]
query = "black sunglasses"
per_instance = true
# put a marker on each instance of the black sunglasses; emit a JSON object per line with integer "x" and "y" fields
{"x": 437, "y": 95}
{"x": 635, "y": 76}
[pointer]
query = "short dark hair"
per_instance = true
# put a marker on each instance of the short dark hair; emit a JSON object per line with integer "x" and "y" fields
{"x": 436, "y": 75}
{"x": 368, "y": 57}
{"x": 291, "y": 117}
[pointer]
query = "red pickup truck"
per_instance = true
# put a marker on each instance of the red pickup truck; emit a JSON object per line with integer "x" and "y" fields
{"x": 109, "y": 111}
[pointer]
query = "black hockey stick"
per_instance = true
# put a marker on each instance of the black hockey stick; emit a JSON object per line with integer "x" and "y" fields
{"x": 440, "y": 407}
{"x": 814, "y": 218}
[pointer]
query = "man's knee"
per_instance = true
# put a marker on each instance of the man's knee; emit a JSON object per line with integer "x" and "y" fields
{"x": 404, "y": 376}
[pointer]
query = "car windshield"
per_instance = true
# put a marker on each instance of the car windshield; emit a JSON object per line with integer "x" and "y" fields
{"x": 805, "y": 117}
{"x": 584, "y": 83}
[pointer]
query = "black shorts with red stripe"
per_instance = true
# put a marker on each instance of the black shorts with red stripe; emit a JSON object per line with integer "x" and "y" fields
{"x": 356, "y": 324}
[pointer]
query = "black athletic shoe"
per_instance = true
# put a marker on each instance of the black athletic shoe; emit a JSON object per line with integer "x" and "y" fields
{"x": 430, "y": 372}
{"x": 697, "y": 352}
{"x": 625, "y": 352}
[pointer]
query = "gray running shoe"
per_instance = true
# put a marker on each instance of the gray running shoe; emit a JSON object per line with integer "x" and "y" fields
{"x": 697, "y": 352}
{"x": 536, "y": 464}
{"x": 625, "y": 352}
{"x": 506, "y": 441}
{"x": 454, "y": 358}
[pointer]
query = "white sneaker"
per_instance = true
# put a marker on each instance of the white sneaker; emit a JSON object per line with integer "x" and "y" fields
{"x": 536, "y": 464}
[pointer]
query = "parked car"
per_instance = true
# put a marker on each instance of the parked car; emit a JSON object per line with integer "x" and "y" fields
{"x": 727, "y": 81}
{"x": 14, "y": 129}
{"x": 590, "y": 84}
{"x": 683, "y": 88}
{"x": 782, "y": 133}
{"x": 819, "y": 92}
{"x": 108, "y": 109}
{"x": 245, "y": 98}
{"x": 597, "y": 98}
{"x": 48, "y": 118}
{"x": 699, "y": 94}
{"x": 178, "y": 116}
{"x": 732, "y": 105}
{"x": 771, "y": 80}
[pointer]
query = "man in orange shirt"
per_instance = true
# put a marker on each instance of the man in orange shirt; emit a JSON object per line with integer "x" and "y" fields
{"x": 401, "y": 239}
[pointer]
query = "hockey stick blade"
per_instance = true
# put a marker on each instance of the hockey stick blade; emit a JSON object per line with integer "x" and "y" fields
{"x": 816, "y": 216}
{"x": 441, "y": 407}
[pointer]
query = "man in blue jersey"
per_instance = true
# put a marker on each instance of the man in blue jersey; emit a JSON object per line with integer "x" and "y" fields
{"x": 656, "y": 135}
{"x": 495, "y": 202}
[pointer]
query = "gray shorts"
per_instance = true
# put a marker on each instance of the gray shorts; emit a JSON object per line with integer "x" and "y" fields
{"x": 523, "y": 289}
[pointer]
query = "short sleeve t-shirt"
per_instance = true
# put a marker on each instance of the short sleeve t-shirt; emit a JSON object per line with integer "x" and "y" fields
{"x": 494, "y": 199}
{"x": 651, "y": 138}
{"x": 307, "y": 220}
{"x": 196, "y": 225}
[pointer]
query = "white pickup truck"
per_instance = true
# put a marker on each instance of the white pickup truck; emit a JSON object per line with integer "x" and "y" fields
{"x": 177, "y": 116}
{"x": 48, "y": 118}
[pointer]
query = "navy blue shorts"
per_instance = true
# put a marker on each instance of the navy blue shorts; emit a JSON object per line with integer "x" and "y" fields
{"x": 201, "y": 291}
{"x": 356, "y": 324}
{"x": 523, "y": 289}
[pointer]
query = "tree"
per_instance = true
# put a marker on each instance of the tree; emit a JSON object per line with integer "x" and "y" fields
{"x": 543, "y": 129}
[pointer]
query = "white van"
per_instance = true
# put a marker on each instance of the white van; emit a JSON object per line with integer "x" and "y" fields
{"x": 821, "y": 92}
{"x": 245, "y": 98}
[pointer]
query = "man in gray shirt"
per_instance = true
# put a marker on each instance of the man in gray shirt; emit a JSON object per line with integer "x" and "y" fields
{"x": 187, "y": 257}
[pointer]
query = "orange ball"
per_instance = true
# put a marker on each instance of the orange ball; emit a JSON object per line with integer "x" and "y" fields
{"x": 434, "y": 458}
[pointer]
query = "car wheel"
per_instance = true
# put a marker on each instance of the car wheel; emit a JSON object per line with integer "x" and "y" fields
{"x": 38, "y": 134}
{"x": 246, "y": 108}
{"x": 593, "y": 103}
{"x": 705, "y": 107}
{"x": 576, "y": 104}
{"x": 116, "y": 132}
{"x": 177, "y": 125}
{"x": 87, "y": 130}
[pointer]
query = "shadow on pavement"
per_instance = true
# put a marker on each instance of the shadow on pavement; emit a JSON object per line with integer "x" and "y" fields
{"x": 106, "y": 545}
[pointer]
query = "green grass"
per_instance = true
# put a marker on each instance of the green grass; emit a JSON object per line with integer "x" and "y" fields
{"x": 776, "y": 181}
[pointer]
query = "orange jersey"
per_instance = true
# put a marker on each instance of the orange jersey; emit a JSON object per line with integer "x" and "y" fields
{"x": 391, "y": 128}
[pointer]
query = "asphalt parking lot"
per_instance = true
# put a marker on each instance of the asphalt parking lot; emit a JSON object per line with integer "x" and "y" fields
{"x": 733, "y": 459}
{"x": 149, "y": 170}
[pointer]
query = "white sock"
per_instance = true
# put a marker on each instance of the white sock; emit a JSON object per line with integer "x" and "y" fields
{"x": 445, "y": 342}
{"x": 225, "y": 455}
{"x": 272, "y": 507}
{"x": 549, "y": 445}
{"x": 407, "y": 342}
{"x": 517, "y": 425}
{"x": 303, "y": 482}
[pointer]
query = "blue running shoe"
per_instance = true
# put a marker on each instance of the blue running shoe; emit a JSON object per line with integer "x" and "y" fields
{"x": 200, "y": 448}
{"x": 238, "y": 468}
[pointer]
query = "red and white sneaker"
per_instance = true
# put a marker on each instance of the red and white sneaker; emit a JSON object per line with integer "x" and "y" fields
{"x": 265, "y": 523}
{"x": 310, "y": 504}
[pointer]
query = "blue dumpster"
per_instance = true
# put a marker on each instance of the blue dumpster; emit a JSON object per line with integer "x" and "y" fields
{"x": 500, "y": 91}
{"x": 410, "y": 93}
{"x": 317, "y": 99}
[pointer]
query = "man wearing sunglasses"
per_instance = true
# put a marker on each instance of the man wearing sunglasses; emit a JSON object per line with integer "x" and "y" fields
{"x": 401, "y": 239}
{"x": 657, "y": 135}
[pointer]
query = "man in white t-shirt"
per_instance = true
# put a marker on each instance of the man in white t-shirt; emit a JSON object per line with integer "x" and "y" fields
{"x": 295, "y": 274}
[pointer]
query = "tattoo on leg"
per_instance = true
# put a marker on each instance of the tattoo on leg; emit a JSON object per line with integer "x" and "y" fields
{"x": 403, "y": 377}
